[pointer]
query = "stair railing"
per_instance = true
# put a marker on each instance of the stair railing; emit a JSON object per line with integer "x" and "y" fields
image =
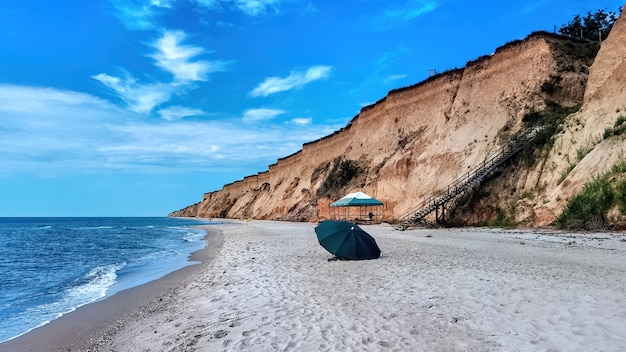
{"x": 469, "y": 179}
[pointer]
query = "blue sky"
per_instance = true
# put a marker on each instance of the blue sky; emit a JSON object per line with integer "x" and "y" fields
{"x": 138, "y": 107}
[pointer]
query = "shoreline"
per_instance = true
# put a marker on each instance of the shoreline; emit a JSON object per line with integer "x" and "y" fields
{"x": 77, "y": 330}
{"x": 269, "y": 286}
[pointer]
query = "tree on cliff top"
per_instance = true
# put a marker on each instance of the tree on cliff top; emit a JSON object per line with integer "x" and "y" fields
{"x": 595, "y": 25}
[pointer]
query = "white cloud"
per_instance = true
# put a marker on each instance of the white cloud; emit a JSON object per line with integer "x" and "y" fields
{"x": 175, "y": 58}
{"x": 223, "y": 24}
{"x": 311, "y": 8}
{"x": 255, "y": 7}
{"x": 390, "y": 57}
{"x": 15, "y": 100}
{"x": 138, "y": 14}
{"x": 49, "y": 131}
{"x": 172, "y": 57}
{"x": 393, "y": 78}
{"x": 404, "y": 11}
{"x": 253, "y": 115}
{"x": 533, "y": 6}
{"x": 142, "y": 14}
{"x": 178, "y": 112}
{"x": 140, "y": 98}
{"x": 209, "y": 4}
{"x": 296, "y": 79}
{"x": 414, "y": 10}
{"x": 302, "y": 121}
{"x": 248, "y": 7}
{"x": 162, "y": 3}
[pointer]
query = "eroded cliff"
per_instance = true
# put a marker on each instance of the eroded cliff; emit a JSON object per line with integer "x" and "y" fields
{"x": 418, "y": 139}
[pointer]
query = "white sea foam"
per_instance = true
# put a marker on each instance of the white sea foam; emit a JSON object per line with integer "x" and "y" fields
{"x": 94, "y": 285}
{"x": 104, "y": 227}
{"x": 97, "y": 283}
{"x": 194, "y": 236}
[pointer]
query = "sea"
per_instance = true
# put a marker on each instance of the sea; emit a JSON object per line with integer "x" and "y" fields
{"x": 51, "y": 266}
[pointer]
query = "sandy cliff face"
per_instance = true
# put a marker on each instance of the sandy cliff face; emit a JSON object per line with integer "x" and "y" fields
{"x": 535, "y": 195}
{"x": 604, "y": 102}
{"x": 418, "y": 139}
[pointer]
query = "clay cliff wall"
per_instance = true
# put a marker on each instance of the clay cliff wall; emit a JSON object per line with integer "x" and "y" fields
{"x": 417, "y": 139}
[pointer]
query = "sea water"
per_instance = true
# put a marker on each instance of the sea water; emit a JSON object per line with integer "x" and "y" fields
{"x": 51, "y": 266}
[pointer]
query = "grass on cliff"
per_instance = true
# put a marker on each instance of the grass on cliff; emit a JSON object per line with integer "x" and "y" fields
{"x": 589, "y": 209}
{"x": 618, "y": 129}
{"x": 340, "y": 175}
{"x": 504, "y": 219}
{"x": 551, "y": 120}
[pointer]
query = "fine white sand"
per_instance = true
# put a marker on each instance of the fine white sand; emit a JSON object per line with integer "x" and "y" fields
{"x": 271, "y": 288}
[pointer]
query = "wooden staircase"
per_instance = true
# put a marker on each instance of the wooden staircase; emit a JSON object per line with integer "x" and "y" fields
{"x": 440, "y": 202}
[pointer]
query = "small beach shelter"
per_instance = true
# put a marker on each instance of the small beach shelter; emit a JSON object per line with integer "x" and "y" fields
{"x": 357, "y": 206}
{"x": 346, "y": 240}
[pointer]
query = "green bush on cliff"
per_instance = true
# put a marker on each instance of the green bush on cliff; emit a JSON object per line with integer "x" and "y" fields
{"x": 551, "y": 118}
{"x": 595, "y": 25}
{"x": 618, "y": 128}
{"x": 503, "y": 219}
{"x": 551, "y": 121}
{"x": 589, "y": 208}
{"x": 552, "y": 85}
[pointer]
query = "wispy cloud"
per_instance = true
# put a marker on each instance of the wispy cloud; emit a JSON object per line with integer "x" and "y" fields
{"x": 248, "y": 7}
{"x": 393, "y": 78}
{"x": 379, "y": 74}
{"x": 162, "y": 3}
{"x": 256, "y": 7}
{"x": 532, "y": 6}
{"x": 55, "y": 131}
{"x": 178, "y": 112}
{"x": 176, "y": 58}
{"x": 16, "y": 100}
{"x": 143, "y": 14}
{"x": 140, "y": 98}
{"x": 210, "y": 4}
{"x": 296, "y": 79}
{"x": 311, "y": 8}
{"x": 389, "y": 58}
{"x": 254, "y": 115}
{"x": 302, "y": 121}
{"x": 172, "y": 57}
{"x": 404, "y": 11}
{"x": 138, "y": 14}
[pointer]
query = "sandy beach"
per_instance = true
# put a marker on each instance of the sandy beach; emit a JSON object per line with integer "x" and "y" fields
{"x": 268, "y": 286}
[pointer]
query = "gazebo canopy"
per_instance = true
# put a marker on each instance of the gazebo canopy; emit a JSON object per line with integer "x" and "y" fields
{"x": 357, "y": 199}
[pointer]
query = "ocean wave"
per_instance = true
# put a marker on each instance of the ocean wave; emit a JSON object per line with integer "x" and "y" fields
{"x": 91, "y": 287}
{"x": 104, "y": 227}
{"x": 195, "y": 236}
{"x": 95, "y": 283}
{"x": 54, "y": 282}
{"x": 153, "y": 257}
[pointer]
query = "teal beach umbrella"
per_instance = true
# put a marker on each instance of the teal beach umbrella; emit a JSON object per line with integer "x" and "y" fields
{"x": 346, "y": 240}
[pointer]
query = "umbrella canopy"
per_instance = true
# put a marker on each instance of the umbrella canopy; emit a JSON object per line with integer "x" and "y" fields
{"x": 356, "y": 199}
{"x": 346, "y": 240}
